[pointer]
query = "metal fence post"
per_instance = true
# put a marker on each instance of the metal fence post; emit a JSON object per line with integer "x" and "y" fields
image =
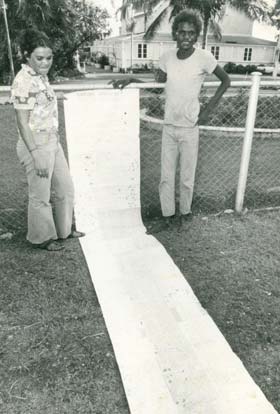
{"x": 247, "y": 142}
{"x": 4, "y": 7}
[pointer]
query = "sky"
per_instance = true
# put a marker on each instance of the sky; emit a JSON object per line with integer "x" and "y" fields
{"x": 108, "y": 4}
{"x": 264, "y": 31}
{"x": 260, "y": 30}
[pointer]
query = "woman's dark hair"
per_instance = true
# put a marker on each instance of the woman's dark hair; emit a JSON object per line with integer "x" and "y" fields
{"x": 187, "y": 16}
{"x": 30, "y": 39}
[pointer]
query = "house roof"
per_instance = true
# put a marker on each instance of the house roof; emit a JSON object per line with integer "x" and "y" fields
{"x": 226, "y": 39}
{"x": 158, "y": 37}
{"x": 242, "y": 40}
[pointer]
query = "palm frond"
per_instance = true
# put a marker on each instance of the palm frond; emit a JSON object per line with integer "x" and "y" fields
{"x": 122, "y": 10}
{"x": 152, "y": 28}
{"x": 178, "y": 5}
{"x": 215, "y": 29}
{"x": 254, "y": 9}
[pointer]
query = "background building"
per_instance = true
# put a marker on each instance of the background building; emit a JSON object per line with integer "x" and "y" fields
{"x": 238, "y": 45}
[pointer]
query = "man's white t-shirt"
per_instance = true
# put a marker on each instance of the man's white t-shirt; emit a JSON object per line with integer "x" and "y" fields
{"x": 184, "y": 81}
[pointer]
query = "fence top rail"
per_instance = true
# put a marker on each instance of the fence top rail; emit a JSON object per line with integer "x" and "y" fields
{"x": 146, "y": 85}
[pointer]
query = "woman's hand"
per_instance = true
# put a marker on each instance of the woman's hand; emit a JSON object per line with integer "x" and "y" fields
{"x": 40, "y": 163}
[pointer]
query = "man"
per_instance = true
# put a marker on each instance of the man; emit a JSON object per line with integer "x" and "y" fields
{"x": 183, "y": 70}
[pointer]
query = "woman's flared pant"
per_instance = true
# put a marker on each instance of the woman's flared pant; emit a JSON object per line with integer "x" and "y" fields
{"x": 44, "y": 222}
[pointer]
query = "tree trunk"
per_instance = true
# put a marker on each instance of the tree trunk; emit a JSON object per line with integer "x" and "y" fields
{"x": 205, "y": 32}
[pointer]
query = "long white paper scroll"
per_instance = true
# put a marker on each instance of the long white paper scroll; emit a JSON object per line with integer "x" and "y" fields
{"x": 172, "y": 357}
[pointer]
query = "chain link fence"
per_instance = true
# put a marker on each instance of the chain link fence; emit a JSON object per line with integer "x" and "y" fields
{"x": 13, "y": 192}
{"x": 220, "y": 151}
{"x": 219, "y": 154}
{"x": 263, "y": 183}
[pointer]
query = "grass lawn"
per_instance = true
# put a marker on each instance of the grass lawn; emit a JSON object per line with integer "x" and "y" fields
{"x": 232, "y": 263}
{"x": 56, "y": 355}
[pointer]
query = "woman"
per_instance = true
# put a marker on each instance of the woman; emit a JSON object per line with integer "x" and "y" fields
{"x": 39, "y": 149}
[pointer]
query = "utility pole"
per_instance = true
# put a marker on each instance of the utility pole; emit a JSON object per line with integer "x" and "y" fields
{"x": 276, "y": 19}
{"x": 276, "y": 57}
{"x": 130, "y": 24}
{"x": 4, "y": 8}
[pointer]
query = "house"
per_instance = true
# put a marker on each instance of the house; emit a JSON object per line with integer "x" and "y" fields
{"x": 238, "y": 45}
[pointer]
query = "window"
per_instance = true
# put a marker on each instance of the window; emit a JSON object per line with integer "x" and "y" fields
{"x": 215, "y": 50}
{"x": 248, "y": 53}
{"x": 142, "y": 50}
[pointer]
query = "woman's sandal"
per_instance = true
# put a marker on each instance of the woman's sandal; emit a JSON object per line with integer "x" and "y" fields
{"x": 51, "y": 246}
{"x": 75, "y": 234}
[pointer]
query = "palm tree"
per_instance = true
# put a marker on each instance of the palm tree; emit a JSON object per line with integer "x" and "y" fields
{"x": 210, "y": 11}
{"x": 35, "y": 13}
{"x": 146, "y": 6}
{"x": 275, "y": 14}
{"x": 68, "y": 23}
{"x": 254, "y": 9}
{"x": 126, "y": 12}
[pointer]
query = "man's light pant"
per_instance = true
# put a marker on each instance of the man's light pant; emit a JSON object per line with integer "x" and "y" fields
{"x": 43, "y": 225}
{"x": 178, "y": 143}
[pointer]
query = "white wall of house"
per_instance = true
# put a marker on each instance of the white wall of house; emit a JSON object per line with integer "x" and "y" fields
{"x": 263, "y": 54}
{"x": 119, "y": 52}
{"x": 146, "y": 53}
{"x": 242, "y": 54}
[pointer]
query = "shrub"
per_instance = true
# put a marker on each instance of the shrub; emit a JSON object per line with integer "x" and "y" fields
{"x": 144, "y": 68}
{"x": 240, "y": 69}
{"x": 103, "y": 60}
{"x": 251, "y": 68}
{"x": 231, "y": 111}
{"x": 230, "y": 67}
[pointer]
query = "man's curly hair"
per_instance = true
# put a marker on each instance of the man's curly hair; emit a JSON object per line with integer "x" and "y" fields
{"x": 187, "y": 16}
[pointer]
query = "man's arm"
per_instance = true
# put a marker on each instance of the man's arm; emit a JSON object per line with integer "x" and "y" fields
{"x": 160, "y": 76}
{"x": 122, "y": 83}
{"x": 212, "y": 103}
